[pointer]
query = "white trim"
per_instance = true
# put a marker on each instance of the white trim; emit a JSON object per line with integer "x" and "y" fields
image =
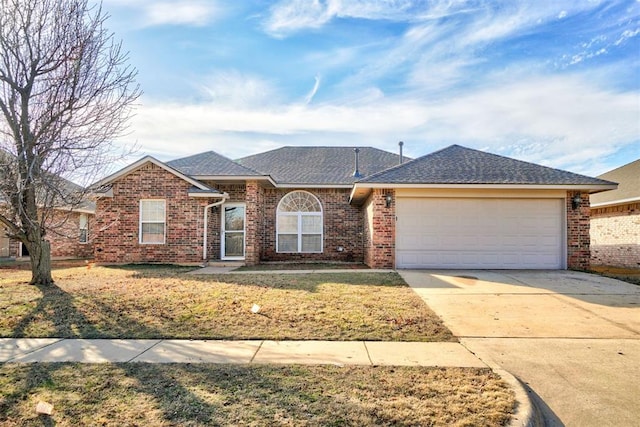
{"x": 209, "y": 195}
{"x": 370, "y": 186}
{"x": 223, "y": 231}
{"x": 616, "y": 202}
{"x": 148, "y": 159}
{"x": 300, "y": 186}
{"x": 164, "y": 222}
{"x": 299, "y": 233}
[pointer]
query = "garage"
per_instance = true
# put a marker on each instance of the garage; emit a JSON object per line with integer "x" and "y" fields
{"x": 480, "y": 233}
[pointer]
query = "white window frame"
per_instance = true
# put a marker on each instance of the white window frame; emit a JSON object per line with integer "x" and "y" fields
{"x": 164, "y": 221}
{"x": 299, "y": 233}
{"x": 83, "y": 238}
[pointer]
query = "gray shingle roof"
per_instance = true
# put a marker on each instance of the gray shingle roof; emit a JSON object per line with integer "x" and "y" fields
{"x": 319, "y": 165}
{"x": 210, "y": 164}
{"x": 628, "y": 177}
{"x": 461, "y": 165}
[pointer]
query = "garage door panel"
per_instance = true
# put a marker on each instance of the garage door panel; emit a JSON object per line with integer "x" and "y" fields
{"x": 479, "y": 233}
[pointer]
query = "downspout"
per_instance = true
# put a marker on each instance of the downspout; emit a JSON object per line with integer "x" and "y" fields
{"x": 206, "y": 226}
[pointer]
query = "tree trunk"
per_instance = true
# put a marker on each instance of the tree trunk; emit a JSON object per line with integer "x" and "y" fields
{"x": 40, "y": 254}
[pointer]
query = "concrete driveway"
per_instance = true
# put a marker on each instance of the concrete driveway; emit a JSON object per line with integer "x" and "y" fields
{"x": 573, "y": 338}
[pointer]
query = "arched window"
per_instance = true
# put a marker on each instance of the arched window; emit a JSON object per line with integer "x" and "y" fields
{"x": 299, "y": 223}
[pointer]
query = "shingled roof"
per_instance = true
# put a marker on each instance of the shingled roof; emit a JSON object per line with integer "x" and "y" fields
{"x": 319, "y": 165}
{"x": 210, "y": 164}
{"x": 460, "y": 165}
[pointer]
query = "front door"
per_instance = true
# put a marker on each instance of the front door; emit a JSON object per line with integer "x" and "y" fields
{"x": 232, "y": 243}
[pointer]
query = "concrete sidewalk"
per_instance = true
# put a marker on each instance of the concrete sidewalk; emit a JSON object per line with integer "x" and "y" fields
{"x": 443, "y": 354}
{"x": 231, "y": 269}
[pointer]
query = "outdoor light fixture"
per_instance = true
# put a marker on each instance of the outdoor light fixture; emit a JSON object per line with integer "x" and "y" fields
{"x": 575, "y": 201}
{"x": 388, "y": 200}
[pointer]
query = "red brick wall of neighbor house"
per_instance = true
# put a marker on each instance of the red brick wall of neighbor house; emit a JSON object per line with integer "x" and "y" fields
{"x": 578, "y": 238}
{"x": 64, "y": 236}
{"x": 615, "y": 235}
{"x": 117, "y": 219}
{"x": 379, "y": 245}
{"x": 342, "y": 227}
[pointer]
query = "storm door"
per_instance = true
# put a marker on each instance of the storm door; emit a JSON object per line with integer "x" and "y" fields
{"x": 233, "y": 219}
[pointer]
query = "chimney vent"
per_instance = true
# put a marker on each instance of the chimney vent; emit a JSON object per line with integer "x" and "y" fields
{"x": 401, "y": 158}
{"x": 356, "y": 172}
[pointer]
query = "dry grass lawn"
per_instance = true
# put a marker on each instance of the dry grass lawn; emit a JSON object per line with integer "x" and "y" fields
{"x": 164, "y": 302}
{"x": 198, "y": 395}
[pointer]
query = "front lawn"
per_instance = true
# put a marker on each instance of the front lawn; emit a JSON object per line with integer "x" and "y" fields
{"x": 136, "y": 394}
{"x": 165, "y": 302}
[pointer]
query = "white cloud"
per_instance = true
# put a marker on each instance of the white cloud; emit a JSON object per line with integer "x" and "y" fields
{"x": 559, "y": 121}
{"x": 237, "y": 89}
{"x": 171, "y": 12}
{"x": 288, "y": 16}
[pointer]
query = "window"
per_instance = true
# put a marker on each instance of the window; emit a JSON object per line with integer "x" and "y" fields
{"x": 152, "y": 221}
{"x": 299, "y": 223}
{"x": 84, "y": 228}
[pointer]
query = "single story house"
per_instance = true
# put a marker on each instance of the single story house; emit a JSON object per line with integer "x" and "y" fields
{"x": 615, "y": 219}
{"x": 454, "y": 208}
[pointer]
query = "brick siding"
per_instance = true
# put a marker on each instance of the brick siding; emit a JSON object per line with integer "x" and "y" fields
{"x": 342, "y": 227}
{"x": 380, "y": 230}
{"x": 63, "y": 233}
{"x": 615, "y": 235}
{"x": 117, "y": 219}
{"x": 578, "y": 238}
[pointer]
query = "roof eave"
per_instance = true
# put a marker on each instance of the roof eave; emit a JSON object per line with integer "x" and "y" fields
{"x": 235, "y": 178}
{"x": 358, "y": 196}
{"x": 616, "y": 202}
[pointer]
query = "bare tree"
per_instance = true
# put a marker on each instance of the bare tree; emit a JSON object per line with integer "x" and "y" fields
{"x": 66, "y": 92}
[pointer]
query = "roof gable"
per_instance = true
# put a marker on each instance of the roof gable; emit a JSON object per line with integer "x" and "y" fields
{"x": 460, "y": 165}
{"x": 210, "y": 163}
{"x": 628, "y": 179}
{"x": 319, "y": 165}
{"x": 148, "y": 159}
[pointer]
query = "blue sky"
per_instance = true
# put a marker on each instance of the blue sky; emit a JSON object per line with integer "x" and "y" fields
{"x": 551, "y": 82}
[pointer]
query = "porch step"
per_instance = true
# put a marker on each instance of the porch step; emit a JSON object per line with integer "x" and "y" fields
{"x": 224, "y": 264}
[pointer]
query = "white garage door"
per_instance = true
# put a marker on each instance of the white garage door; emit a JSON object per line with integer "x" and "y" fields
{"x": 479, "y": 233}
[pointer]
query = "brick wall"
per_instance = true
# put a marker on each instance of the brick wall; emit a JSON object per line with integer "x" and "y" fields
{"x": 116, "y": 227}
{"x": 380, "y": 230}
{"x": 64, "y": 236}
{"x": 578, "y": 238}
{"x": 615, "y": 235}
{"x": 342, "y": 226}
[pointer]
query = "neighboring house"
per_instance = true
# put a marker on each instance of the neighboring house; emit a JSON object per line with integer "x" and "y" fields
{"x": 455, "y": 208}
{"x": 68, "y": 230}
{"x": 615, "y": 219}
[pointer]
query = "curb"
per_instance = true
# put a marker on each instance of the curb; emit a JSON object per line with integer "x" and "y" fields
{"x": 526, "y": 413}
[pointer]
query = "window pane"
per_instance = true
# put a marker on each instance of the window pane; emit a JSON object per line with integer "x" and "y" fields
{"x": 288, "y": 224}
{"x": 152, "y": 210}
{"x": 287, "y": 243}
{"x": 234, "y": 244}
{"x": 83, "y": 221}
{"x": 153, "y": 233}
{"x": 234, "y": 218}
{"x": 311, "y": 224}
{"x": 311, "y": 242}
{"x": 299, "y": 201}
